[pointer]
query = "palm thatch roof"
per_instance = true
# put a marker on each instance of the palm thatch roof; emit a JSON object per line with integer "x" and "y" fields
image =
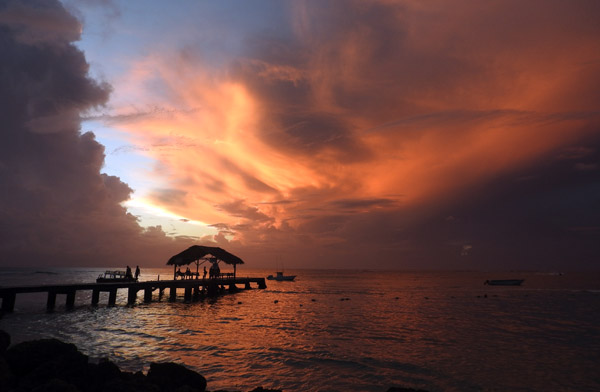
{"x": 197, "y": 252}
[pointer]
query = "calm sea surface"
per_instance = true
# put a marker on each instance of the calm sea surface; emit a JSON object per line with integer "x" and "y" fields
{"x": 342, "y": 330}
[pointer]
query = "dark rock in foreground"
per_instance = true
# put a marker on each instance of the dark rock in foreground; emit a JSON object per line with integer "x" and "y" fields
{"x": 172, "y": 377}
{"x": 4, "y": 341}
{"x": 49, "y": 365}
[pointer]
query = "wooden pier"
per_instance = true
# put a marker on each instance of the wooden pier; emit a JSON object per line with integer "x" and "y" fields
{"x": 193, "y": 290}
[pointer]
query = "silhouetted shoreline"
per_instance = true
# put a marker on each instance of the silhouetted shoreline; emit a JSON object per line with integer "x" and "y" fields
{"x": 50, "y": 365}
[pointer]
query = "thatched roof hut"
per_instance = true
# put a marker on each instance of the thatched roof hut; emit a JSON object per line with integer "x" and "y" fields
{"x": 195, "y": 253}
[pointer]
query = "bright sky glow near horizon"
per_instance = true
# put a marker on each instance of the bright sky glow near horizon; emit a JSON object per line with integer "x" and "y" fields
{"x": 388, "y": 134}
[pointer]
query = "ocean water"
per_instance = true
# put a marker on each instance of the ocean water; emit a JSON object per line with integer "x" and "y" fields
{"x": 342, "y": 330}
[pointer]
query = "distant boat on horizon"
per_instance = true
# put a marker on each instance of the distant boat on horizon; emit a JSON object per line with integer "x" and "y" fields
{"x": 504, "y": 282}
{"x": 281, "y": 277}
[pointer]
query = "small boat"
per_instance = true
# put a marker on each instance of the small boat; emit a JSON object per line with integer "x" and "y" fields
{"x": 114, "y": 277}
{"x": 504, "y": 282}
{"x": 281, "y": 277}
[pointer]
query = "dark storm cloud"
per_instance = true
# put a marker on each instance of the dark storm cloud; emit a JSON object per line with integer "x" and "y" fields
{"x": 540, "y": 216}
{"x": 56, "y": 207}
{"x": 36, "y": 22}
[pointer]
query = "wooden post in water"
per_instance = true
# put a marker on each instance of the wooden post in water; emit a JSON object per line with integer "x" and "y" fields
{"x": 8, "y": 302}
{"x": 112, "y": 297}
{"x": 173, "y": 293}
{"x": 131, "y": 295}
{"x": 95, "y": 297}
{"x": 70, "y": 299}
{"x": 148, "y": 294}
{"x": 247, "y": 286}
{"x": 51, "y": 302}
{"x": 188, "y": 294}
{"x": 213, "y": 288}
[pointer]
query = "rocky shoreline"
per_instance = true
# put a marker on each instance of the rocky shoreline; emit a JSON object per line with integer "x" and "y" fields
{"x": 49, "y": 365}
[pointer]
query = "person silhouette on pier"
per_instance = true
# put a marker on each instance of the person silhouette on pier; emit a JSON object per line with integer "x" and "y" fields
{"x": 128, "y": 273}
{"x": 137, "y": 272}
{"x": 214, "y": 269}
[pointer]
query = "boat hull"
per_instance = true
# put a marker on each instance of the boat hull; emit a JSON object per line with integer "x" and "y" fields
{"x": 282, "y": 278}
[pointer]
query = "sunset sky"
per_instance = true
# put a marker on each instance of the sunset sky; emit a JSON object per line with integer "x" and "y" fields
{"x": 333, "y": 134}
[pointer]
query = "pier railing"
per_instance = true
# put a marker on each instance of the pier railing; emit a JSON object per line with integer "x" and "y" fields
{"x": 193, "y": 290}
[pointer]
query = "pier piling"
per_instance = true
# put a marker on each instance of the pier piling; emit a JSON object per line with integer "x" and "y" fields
{"x": 51, "y": 302}
{"x": 95, "y": 297}
{"x": 148, "y": 294}
{"x": 70, "y": 299}
{"x": 112, "y": 297}
{"x": 8, "y": 302}
{"x": 188, "y": 294}
{"x": 131, "y": 295}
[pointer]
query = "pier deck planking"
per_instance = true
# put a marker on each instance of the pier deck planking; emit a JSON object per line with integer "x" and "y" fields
{"x": 192, "y": 289}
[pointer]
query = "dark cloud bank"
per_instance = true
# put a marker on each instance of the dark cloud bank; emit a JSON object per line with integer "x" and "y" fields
{"x": 56, "y": 208}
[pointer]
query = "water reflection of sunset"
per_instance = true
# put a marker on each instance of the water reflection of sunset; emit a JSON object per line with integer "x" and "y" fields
{"x": 361, "y": 329}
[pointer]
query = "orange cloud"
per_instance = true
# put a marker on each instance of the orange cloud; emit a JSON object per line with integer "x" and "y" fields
{"x": 383, "y": 107}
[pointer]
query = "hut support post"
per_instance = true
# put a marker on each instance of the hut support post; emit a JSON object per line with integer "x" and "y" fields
{"x": 95, "y": 297}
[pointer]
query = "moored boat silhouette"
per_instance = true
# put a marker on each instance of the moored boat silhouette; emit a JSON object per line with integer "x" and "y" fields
{"x": 504, "y": 282}
{"x": 281, "y": 277}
